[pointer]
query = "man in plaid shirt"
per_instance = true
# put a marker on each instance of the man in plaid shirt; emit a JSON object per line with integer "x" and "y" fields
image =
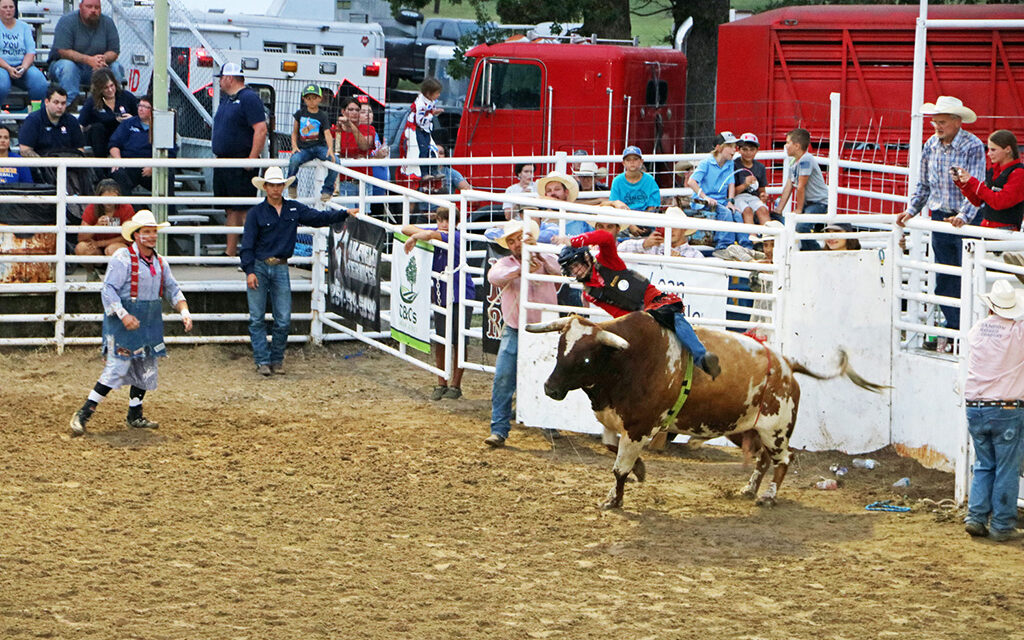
{"x": 949, "y": 147}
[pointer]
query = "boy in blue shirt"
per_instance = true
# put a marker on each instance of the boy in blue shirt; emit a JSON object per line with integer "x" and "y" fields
{"x": 712, "y": 182}
{"x": 634, "y": 188}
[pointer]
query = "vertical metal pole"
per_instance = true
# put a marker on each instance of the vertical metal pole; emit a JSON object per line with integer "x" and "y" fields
{"x": 833, "y": 155}
{"x": 551, "y": 108}
{"x": 161, "y": 89}
{"x": 972, "y": 272}
{"x": 608, "y": 136}
{"x": 317, "y": 303}
{"x": 61, "y": 275}
{"x": 917, "y": 99}
{"x": 629, "y": 109}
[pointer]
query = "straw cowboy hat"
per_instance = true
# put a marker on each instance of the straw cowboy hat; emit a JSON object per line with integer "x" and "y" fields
{"x": 273, "y": 175}
{"x": 774, "y": 224}
{"x": 1004, "y": 300}
{"x": 676, "y": 212}
{"x": 570, "y": 185}
{"x": 587, "y": 169}
{"x": 144, "y": 218}
{"x": 513, "y": 227}
{"x": 949, "y": 105}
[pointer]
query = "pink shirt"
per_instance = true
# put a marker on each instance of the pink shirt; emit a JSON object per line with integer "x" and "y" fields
{"x": 505, "y": 274}
{"x": 996, "y": 367}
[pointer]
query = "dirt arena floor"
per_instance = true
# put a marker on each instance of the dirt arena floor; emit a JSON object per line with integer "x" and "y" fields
{"x": 338, "y": 501}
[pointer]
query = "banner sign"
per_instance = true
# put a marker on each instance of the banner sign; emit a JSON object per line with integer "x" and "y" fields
{"x": 353, "y": 288}
{"x": 410, "y": 293}
{"x": 696, "y": 306}
{"x": 490, "y": 296}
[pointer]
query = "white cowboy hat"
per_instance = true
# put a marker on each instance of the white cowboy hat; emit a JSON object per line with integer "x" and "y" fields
{"x": 513, "y": 227}
{"x": 676, "y": 212}
{"x": 144, "y": 218}
{"x": 586, "y": 169}
{"x": 570, "y": 185}
{"x": 273, "y": 175}
{"x": 774, "y": 224}
{"x": 1004, "y": 300}
{"x": 952, "y": 106}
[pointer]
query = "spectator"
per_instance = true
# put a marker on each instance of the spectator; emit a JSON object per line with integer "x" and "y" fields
{"x": 18, "y": 55}
{"x": 351, "y": 140}
{"x": 995, "y": 414}
{"x": 524, "y": 172}
{"x": 586, "y": 179}
{"x": 416, "y": 139}
{"x": 133, "y": 331}
{"x": 84, "y": 41}
{"x": 312, "y": 140}
{"x": 505, "y": 274}
{"x": 103, "y": 215}
{"x": 763, "y": 282}
{"x": 634, "y": 189}
{"x": 655, "y": 243}
{"x": 451, "y": 389}
{"x": 804, "y": 183}
{"x": 11, "y": 175}
{"x": 712, "y": 181}
{"x": 841, "y": 244}
{"x": 51, "y": 130}
{"x": 267, "y": 243}
{"x": 1001, "y": 197}
{"x": 751, "y": 180}
{"x": 239, "y": 131}
{"x": 949, "y": 147}
{"x": 445, "y": 179}
{"x": 134, "y": 139}
{"x": 378, "y": 151}
{"x": 106, "y": 106}
{"x": 767, "y": 242}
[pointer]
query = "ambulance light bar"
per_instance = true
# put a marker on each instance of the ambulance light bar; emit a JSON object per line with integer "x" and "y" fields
{"x": 250, "y": 64}
{"x": 329, "y": 68}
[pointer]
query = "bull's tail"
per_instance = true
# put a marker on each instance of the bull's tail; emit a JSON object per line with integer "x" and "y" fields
{"x": 844, "y": 370}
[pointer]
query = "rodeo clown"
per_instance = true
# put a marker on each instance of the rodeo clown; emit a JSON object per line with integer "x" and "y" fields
{"x": 619, "y": 290}
{"x": 133, "y": 329}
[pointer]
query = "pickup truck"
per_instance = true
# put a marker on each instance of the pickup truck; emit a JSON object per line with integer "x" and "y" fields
{"x": 406, "y": 55}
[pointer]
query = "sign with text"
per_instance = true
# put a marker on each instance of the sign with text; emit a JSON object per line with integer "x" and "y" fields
{"x": 663, "y": 276}
{"x": 410, "y": 293}
{"x": 353, "y": 286}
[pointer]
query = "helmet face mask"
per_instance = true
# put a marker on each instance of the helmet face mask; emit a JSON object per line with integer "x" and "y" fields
{"x": 569, "y": 257}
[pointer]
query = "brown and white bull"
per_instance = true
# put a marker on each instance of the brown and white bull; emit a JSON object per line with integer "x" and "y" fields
{"x": 632, "y": 369}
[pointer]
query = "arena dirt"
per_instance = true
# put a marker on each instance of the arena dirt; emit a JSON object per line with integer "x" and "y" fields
{"x": 338, "y": 501}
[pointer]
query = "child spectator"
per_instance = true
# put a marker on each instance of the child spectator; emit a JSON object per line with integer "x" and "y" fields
{"x": 351, "y": 140}
{"x": 811, "y": 194}
{"x": 712, "y": 182}
{"x": 655, "y": 243}
{"x": 11, "y": 175}
{"x": 751, "y": 180}
{"x": 452, "y": 388}
{"x": 524, "y": 172}
{"x": 417, "y": 140}
{"x": 841, "y": 244}
{"x": 312, "y": 140}
{"x": 634, "y": 188}
{"x": 103, "y": 215}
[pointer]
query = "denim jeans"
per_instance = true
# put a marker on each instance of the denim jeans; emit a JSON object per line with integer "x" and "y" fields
{"x": 504, "y": 386}
{"x": 946, "y": 249}
{"x": 70, "y": 75}
{"x": 349, "y": 188}
{"x": 997, "y": 435}
{"x": 274, "y": 283}
{"x": 302, "y": 156}
{"x": 686, "y": 335}
{"x": 724, "y": 238}
{"x": 32, "y": 81}
{"x": 808, "y": 227}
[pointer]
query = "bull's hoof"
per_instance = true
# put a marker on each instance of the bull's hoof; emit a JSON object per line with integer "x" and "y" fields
{"x": 610, "y": 504}
{"x": 640, "y": 470}
{"x": 749, "y": 492}
{"x": 765, "y": 501}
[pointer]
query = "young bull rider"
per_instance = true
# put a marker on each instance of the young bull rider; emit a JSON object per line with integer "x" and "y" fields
{"x": 133, "y": 329}
{"x": 619, "y": 290}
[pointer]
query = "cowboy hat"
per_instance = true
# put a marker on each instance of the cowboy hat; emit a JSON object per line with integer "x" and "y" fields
{"x": 1003, "y": 300}
{"x": 570, "y": 185}
{"x": 774, "y": 224}
{"x": 949, "y": 105}
{"x": 513, "y": 227}
{"x": 273, "y": 175}
{"x": 586, "y": 169}
{"x": 144, "y": 218}
{"x": 676, "y": 212}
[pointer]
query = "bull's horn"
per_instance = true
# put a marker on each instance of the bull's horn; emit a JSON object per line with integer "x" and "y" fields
{"x": 545, "y": 327}
{"x": 610, "y": 339}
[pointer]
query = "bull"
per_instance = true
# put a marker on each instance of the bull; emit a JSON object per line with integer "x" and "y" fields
{"x": 632, "y": 369}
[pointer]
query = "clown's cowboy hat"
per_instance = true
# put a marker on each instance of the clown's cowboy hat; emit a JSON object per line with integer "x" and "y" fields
{"x": 144, "y": 218}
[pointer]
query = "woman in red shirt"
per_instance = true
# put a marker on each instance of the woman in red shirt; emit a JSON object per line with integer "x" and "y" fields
{"x": 1001, "y": 196}
{"x": 103, "y": 215}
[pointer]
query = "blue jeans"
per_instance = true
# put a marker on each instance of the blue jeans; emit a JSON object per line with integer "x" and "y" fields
{"x": 302, "y": 156}
{"x": 686, "y": 335}
{"x": 70, "y": 75}
{"x": 348, "y": 188}
{"x": 504, "y": 386}
{"x": 808, "y": 227}
{"x": 724, "y": 238}
{"x": 946, "y": 249}
{"x": 32, "y": 81}
{"x": 997, "y": 435}
{"x": 274, "y": 282}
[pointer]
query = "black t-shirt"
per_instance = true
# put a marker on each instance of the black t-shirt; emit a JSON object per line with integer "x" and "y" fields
{"x": 742, "y": 172}
{"x": 311, "y": 127}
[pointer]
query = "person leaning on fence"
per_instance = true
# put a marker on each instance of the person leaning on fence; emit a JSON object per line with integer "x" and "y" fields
{"x": 51, "y": 130}
{"x": 950, "y": 147}
{"x": 267, "y": 243}
{"x": 239, "y": 131}
{"x": 18, "y": 55}
{"x": 312, "y": 140}
{"x": 103, "y": 215}
{"x": 133, "y": 328}
{"x": 994, "y": 396}
{"x": 804, "y": 184}
{"x": 506, "y": 274}
{"x": 105, "y": 108}
{"x": 446, "y": 326}
{"x": 84, "y": 42}
{"x": 11, "y": 175}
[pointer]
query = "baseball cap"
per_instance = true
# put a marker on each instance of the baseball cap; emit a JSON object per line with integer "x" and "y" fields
{"x": 632, "y": 150}
{"x": 230, "y": 69}
{"x": 725, "y": 137}
{"x": 311, "y": 89}
{"x": 750, "y": 138}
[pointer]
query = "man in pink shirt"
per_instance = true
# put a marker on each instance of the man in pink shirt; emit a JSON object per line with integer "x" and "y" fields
{"x": 994, "y": 395}
{"x": 506, "y": 274}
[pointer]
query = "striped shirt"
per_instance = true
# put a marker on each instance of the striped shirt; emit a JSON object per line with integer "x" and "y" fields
{"x": 936, "y": 189}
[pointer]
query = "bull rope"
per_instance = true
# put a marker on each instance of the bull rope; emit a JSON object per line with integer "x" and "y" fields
{"x": 684, "y": 393}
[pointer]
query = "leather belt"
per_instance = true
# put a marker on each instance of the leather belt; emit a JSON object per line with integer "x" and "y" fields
{"x": 1006, "y": 404}
{"x": 274, "y": 261}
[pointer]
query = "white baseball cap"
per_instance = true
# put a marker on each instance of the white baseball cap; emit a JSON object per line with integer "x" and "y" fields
{"x": 230, "y": 69}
